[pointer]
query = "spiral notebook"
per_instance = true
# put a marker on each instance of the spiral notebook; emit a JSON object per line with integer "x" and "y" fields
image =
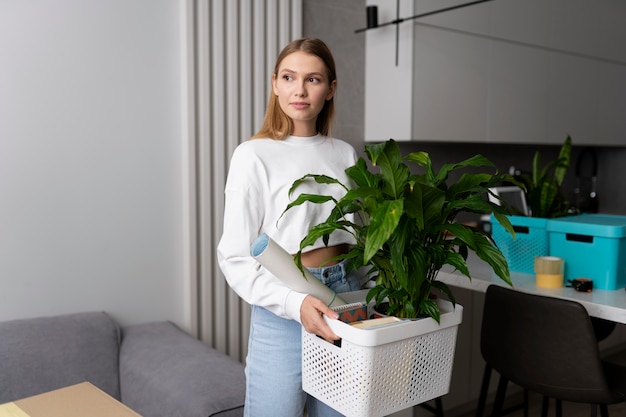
{"x": 350, "y": 313}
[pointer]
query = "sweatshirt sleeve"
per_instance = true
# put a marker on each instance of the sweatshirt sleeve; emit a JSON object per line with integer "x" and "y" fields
{"x": 243, "y": 216}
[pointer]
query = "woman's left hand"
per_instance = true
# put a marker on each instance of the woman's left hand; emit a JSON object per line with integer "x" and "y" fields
{"x": 311, "y": 312}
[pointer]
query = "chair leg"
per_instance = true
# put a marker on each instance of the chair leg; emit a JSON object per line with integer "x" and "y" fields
{"x": 439, "y": 405}
{"x": 559, "y": 408}
{"x": 594, "y": 410}
{"x": 437, "y": 410}
{"x": 525, "y": 402}
{"x": 484, "y": 388}
{"x": 604, "y": 410}
{"x": 545, "y": 402}
{"x": 500, "y": 395}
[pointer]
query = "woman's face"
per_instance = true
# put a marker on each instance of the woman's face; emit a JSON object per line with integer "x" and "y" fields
{"x": 301, "y": 86}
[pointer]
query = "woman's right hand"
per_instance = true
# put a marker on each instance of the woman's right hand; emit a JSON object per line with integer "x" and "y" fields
{"x": 311, "y": 312}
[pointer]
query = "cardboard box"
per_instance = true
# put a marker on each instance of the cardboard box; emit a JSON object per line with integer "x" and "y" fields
{"x": 593, "y": 246}
{"x": 81, "y": 400}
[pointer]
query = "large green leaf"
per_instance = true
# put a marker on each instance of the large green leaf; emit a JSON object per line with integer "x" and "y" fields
{"x": 563, "y": 161}
{"x": 373, "y": 151}
{"x": 473, "y": 203}
{"x": 474, "y": 161}
{"x": 536, "y": 171}
{"x": 417, "y": 260}
{"x": 461, "y": 232}
{"x": 423, "y": 160}
{"x": 458, "y": 262}
{"x": 434, "y": 201}
{"x": 392, "y": 170}
{"x": 430, "y": 308}
{"x": 361, "y": 176}
{"x": 353, "y": 200}
{"x": 382, "y": 223}
{"x": 505, "y": 222}
{"x": 320, "y": 179}
{"x": 413, "y": 205}
{"x": 471, "y": 183}
{"x": 397, "y": 243}
{"x": 490, "y": 254}
{"x": 443, "y": 287}
{"x": 320, "y": 230}
{"x": 307, "y": 198}
{"x": 548, "y": 193}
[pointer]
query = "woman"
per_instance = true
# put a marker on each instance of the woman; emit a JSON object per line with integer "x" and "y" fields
{"x": 293, "y": 141}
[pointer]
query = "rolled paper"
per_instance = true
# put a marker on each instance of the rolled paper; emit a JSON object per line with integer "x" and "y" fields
{"x": 280, "y": 263}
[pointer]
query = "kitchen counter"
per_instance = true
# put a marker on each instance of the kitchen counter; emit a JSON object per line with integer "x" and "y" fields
{"x": 606, "y": 304}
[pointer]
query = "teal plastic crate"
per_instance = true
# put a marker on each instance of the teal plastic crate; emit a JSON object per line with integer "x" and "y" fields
{"x": 593, "y": 246}
{"x": 531, "y": 239}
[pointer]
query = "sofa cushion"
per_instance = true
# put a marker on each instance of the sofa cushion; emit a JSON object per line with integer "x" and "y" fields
{"x": 42, "y": 354}
{"x": 164, "y": 372}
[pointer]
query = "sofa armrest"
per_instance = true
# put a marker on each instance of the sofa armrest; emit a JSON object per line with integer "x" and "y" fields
{"x": 164, "y": 372}
{"x": 47, "y": 353}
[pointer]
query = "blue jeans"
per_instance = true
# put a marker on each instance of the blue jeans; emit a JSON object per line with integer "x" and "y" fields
{"x": 274, "y": 362}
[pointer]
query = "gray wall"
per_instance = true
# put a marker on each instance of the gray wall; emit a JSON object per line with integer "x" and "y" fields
{"x": 335, "y": 22}
{"x": 91, "y": 207}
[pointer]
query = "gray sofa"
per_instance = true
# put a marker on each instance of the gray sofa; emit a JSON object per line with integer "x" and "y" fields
{"x": 155, "y": 368}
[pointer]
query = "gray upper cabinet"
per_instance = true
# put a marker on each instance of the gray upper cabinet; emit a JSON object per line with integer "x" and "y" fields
{"x": 507, "y": 71}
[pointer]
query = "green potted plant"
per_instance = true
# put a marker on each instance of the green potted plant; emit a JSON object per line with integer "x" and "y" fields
{"x": 545, "y": 200}
{"x": 404, "y": 224}
{"x": 543, "y": 186}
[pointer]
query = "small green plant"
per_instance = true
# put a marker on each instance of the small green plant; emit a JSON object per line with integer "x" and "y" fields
{"x": 403, "y": 224}
{"x": 543, "y": 186}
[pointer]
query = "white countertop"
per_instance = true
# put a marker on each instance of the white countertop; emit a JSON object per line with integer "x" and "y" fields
{"x": 609, "y": 305}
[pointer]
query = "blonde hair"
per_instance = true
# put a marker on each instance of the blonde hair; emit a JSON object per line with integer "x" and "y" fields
{"x": 277, "y": 125}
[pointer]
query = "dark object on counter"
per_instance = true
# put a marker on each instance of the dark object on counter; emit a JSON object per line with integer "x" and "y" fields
{"x": 586, "y": 198}
{"x": 582, "y": 284}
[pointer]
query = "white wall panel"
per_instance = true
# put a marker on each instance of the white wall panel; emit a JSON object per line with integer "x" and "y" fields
{"x": 236, "y": 45}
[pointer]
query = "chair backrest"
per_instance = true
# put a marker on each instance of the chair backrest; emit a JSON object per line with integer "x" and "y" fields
{"x": 544, "y": 344}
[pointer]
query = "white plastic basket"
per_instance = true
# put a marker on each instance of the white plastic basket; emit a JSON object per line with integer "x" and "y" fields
{"x": 380, "y": 371}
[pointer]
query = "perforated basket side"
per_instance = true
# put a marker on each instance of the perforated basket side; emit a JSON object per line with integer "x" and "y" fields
{"x": 531, "y": 240}
{"x": 377, "y": 381}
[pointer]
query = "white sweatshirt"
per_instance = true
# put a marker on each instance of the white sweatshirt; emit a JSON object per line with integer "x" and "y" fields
{"x": 261, "y": 173}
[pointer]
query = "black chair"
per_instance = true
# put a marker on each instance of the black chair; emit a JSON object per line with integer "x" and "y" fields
{"x": 546, "y": 345}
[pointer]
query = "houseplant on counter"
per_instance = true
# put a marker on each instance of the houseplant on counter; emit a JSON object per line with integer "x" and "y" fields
{"x": 404, "y": 224}
{"x": 546, "y": 200}
{"x": 543, "y": 185}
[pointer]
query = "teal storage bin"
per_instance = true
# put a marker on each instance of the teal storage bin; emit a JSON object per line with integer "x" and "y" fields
{"x": 531, "y": 239}
{"x": 593, "y": 246}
